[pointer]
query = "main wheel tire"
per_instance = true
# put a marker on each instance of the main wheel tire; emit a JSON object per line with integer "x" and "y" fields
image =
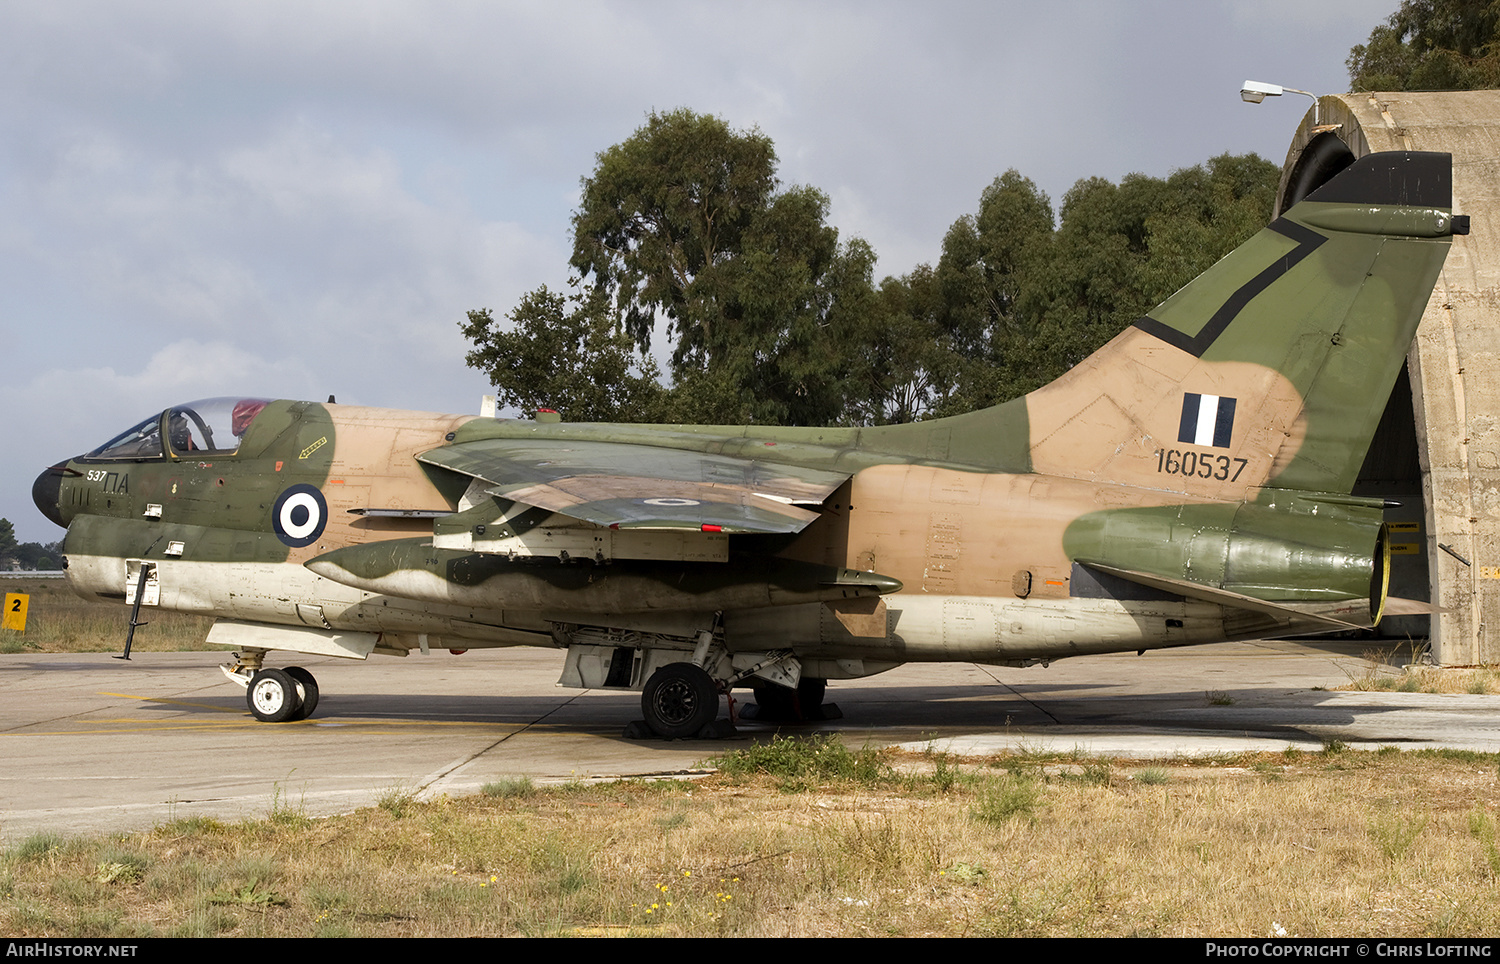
{"x": 679, "y": 700}
{"x": 273, "y": 697}
{"x": 308, "y": 688}
{"x": 810, "y": 693}
{"x": 775, "y": 702}
{"x": 801, "y": 705}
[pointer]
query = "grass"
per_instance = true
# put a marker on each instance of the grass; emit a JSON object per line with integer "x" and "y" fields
{"x": 802, "y": 840}
{"x": 1006, "y": 798}
{"x": 59, "y": 621}
{"x": 797, "y": 765}
{"x": 1402, "y": 671}
{"x": 398, "y": 801}
{"x": 515, "y": 788}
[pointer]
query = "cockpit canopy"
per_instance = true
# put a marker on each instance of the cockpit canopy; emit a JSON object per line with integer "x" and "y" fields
{"x": 212, "y": 426}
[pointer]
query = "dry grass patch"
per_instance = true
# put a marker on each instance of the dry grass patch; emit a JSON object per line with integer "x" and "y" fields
{"x": 59, "y": 621}
{"x": 1401, "y": 670}
{"x": 1316, "y": 844}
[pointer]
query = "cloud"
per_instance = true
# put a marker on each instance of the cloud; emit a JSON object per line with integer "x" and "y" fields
{"x": 309, "y": 198}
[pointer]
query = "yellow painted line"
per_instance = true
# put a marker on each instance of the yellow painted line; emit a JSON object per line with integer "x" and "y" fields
{"x": 342, "y": 722}
{"x": 363, "y": 726}
{"x": 130, "y": 729}
{"x": 314, "y": 722}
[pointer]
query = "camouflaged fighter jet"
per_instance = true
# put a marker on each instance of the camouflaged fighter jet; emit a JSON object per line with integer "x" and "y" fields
{"x": 1188, "y": 483}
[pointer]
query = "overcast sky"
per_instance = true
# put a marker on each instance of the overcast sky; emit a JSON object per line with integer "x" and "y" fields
{"x": 303, "y": 199}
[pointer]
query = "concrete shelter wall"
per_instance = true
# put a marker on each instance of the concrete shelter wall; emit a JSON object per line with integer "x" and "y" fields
{"x": 1455, "y": 361}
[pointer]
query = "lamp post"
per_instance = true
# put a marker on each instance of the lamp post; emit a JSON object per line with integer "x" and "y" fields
{"x": 1254, "y": 91}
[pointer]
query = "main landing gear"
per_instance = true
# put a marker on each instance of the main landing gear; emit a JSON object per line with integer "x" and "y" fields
{"x": 274, "y": 695}
{"x": 681, "y": 701}
{"x": 778, "y": 704}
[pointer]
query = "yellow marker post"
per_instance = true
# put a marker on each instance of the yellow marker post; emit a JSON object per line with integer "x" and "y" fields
{"x": 15, "y": 611}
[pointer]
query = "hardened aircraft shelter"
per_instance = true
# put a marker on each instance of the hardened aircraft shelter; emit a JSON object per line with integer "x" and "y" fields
{"x": 1438, "y": 448}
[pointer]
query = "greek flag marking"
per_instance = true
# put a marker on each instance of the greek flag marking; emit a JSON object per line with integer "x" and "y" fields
{"x": 1206, "y": 420}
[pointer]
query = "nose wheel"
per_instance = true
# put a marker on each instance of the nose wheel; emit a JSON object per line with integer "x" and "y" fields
{"x": 282, "y": 695}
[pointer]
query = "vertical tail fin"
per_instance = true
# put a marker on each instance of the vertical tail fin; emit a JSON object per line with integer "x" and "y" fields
{"x": 1272, "y": 367}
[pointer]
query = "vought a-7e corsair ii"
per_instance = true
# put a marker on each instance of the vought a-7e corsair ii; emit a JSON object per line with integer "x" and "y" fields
{"x": 1188, "y": 483}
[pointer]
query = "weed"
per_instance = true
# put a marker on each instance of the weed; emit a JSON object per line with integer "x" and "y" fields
{"x": 944, "y": 773}
{"x": 11, "y": 643}
{"x": 1151, "y": 776}
{"x": 672, "y": 821}
{"x": 1218, "y": 698}
{"x": 247, "y": 895}
{"x": 1097, "y": 773}
{"x": 1007, "y": 797}
{"x": 1482, "y": 827}
{"x": 510, "y": 788}
{"x": 881, "y": 847}
{"x": 283, "y": 813}
{"x": 186, "y": 826}
{"x": 397, "y": 801}
{"x": 965, "y": 873}
{"x": 208, "y": 921}
{"x": 37, "y": 846}
{"x": 121, "y": 867}
{"x": 799, "y": 764}
{"x": 1332, "y": 747}
{"x": 1395, "y": 830}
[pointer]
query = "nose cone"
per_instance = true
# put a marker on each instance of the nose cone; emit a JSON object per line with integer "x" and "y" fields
{"x": 46, "y": 492}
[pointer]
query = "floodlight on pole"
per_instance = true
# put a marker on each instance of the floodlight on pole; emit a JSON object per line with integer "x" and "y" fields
{"x": 1255, "y": 91}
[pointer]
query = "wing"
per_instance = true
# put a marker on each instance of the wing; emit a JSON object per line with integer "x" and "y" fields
{"x": 620, "y": 485}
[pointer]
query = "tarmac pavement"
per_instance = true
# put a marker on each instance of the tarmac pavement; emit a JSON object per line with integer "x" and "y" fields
{"x": 94, "y": 744}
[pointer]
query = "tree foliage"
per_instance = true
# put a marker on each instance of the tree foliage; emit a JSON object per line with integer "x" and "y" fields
{"x": 684, "y": 230}
{"x": 1431, "y": 45}
{"x": 664, "y": 217}
{"x": 26, "y": 555}
{"x": 565, "y": 353}
{"x": 1014, "y": 301}
{"x": 684, "y": 226}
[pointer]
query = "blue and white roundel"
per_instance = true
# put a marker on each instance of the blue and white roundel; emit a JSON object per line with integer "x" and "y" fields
{"x": 299, "y": 515}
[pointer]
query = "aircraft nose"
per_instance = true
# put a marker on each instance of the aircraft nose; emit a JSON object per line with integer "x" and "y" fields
{"x": 46, "y": 492}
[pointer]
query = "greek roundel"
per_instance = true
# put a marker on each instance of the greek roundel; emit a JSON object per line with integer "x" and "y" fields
{"x": 299, "y": 515}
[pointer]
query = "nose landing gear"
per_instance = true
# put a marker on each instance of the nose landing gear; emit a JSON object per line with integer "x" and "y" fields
{"x": 274, "y": 695}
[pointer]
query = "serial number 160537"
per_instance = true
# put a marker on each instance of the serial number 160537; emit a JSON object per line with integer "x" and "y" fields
{"x": 1204, "y": 465}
